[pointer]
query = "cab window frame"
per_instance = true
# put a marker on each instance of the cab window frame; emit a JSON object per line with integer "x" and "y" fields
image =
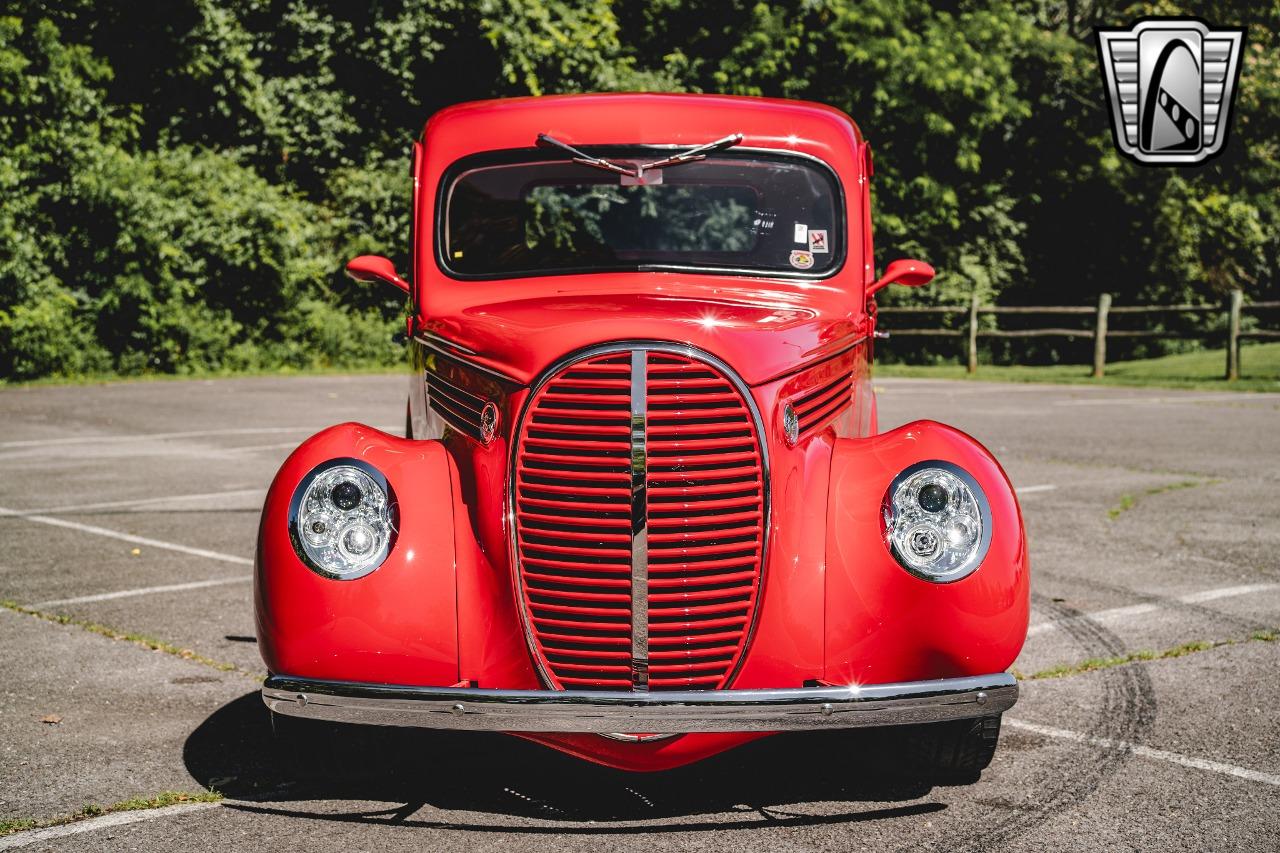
{"x": 512, "y": 156}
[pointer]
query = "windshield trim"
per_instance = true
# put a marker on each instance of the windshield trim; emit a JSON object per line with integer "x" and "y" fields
{"x": 509, "y": 156}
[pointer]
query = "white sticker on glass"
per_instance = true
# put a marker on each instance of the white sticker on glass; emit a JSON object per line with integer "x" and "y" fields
{"x": 801, "y": 260}
{"x": 818, "y": 242}
{"x": 802, "y": 232}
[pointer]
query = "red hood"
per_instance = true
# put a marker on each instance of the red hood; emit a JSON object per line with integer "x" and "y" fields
{"x": 761, "y": 331}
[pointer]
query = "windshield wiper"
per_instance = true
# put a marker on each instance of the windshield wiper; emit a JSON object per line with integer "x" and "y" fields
{"x": 698, "y": 153}
{"x": 586, "y": 159}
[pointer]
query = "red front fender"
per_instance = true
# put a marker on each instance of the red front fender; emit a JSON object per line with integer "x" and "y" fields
{"x": 396, "y": 625}
{"x": 885, "y": 625}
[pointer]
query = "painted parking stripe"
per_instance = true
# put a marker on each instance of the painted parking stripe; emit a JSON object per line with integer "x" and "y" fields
{"x": 1148, "y": 752}
{"x": 93, "y": 824}
{"x": 146, "y": 590}
{"x": 155, "y": 436}
{"x": 1030, "y": 490}
{"x": 165, "y": 436}
{"x": 1155, "y": 401}
{"x": 1151, "y": 607}
{"x": 127, "y": 537}
{"x": 254, "y": 448}
{"x": 148, "y": 501}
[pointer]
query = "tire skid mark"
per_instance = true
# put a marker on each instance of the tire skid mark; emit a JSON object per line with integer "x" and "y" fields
{"x": 1126, "y": 711}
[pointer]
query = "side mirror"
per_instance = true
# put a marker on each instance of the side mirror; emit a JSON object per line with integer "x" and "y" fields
{"x": 370, "y": 268}
{"x": 904, "y": 271}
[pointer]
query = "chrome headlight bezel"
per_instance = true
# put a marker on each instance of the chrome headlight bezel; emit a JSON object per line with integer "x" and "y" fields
{"x": 973, "y": 554}
{"x": 387, "y": 513}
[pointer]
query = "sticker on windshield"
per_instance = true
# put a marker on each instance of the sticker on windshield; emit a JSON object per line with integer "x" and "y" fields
{"x": 802, "y": 232}
{"x": 801, "y": 260}
{"x": 818, "y": 242}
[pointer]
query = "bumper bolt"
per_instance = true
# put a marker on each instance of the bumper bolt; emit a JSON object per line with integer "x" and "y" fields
{"x": 827, "y": 709}
{"x": 301, "y": 700}
{"x": 458, "y": 709}
{"x": 981, "y": 698}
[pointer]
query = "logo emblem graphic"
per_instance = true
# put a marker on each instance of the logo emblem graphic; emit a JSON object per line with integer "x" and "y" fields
{"x": 1170, "y": 84}
{"x": 488, "y": 424}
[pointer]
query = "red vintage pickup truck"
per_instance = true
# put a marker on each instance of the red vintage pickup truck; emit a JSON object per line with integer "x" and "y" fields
{"x": 642, "y": 511}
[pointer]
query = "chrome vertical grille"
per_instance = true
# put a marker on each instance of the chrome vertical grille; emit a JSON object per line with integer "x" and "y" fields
{"x": 639, "y": 495}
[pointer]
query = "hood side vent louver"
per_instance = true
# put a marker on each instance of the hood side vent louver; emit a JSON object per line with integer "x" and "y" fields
{"x": 823, "y": 405}
{"x": 458, "y": 408}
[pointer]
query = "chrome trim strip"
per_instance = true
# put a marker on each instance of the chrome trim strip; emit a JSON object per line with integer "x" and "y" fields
{"x": 607, "y": 712}
{"x": 639, "y": 521}
{"x": 443, "y": 346}
{"x": 816, "y": 357}
{"x": 426, "y": 336}
{"x": 513, "y": 551}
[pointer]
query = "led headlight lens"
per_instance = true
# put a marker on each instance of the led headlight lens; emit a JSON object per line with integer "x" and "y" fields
{"x": 936, "y": 521}
{"x": 343, "y": 519}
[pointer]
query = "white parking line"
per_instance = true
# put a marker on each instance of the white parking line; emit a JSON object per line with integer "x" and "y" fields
{"x": 93, "y": 824}
{"x": 164, "y": 436}
{"x": 155, "y": 436}
{"x": 1148, "y": 401}
{"x": 147, "y": 501}
{"x": 1148, "y": 752}
{"x": 1151, "y": 607}
{"x": 256, "y": 447}
{"x": 146, "y": 590}
{"x": 1029, "y": 490}
{"x": 127, "y": 537}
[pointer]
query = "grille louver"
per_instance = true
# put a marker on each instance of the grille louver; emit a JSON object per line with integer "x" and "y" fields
{"x": 459, "y": 408}
{"x": 642, "y": 575}
{"x": 823, "y": 405}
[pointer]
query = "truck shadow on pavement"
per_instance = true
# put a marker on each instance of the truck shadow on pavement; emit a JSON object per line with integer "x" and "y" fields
{"x": 513, "y": 781}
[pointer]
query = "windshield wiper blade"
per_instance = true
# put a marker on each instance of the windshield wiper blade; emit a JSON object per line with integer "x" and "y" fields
{"x": 698, "y": 153}
{"x": 586, "y": 159}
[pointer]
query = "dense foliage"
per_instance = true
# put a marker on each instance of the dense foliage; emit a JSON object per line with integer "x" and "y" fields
{"x": 181, "y": 188}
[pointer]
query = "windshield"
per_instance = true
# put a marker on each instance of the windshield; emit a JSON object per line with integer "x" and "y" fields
{"x": 735, "y": 211}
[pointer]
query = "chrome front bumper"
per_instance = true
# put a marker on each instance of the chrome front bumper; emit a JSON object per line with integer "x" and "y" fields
{"x": 605, "y": 712}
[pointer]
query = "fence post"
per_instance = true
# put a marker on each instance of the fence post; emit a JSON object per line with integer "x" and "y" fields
{"x": 1100, "y": 336}
{"x": 1233, "y": 335}
{"x": 973, "y": 334}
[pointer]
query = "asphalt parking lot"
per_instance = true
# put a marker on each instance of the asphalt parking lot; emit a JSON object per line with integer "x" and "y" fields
{"x": 127, "y": 519}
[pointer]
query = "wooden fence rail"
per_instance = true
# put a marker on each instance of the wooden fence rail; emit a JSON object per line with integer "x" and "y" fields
{"x": 1233, "y": 309}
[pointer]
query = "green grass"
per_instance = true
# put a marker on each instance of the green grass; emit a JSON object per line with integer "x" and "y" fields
{"x": 159, "y": 801}
{"x": 1095, "y": 664}
{"x": 1202, "y": 370}
{"x": 142, "y": 640}
{"x": 1128, "y": 502}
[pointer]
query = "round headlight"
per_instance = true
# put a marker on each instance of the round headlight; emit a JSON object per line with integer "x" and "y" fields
{"x": 343, "y": 519}
{"x": 936, "y": 521}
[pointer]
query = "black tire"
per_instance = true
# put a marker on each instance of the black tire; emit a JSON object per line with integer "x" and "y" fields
{"x": 955, "y": 752}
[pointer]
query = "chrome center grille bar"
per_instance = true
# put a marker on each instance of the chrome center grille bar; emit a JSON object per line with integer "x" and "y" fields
{"x": 639, "y": 524}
